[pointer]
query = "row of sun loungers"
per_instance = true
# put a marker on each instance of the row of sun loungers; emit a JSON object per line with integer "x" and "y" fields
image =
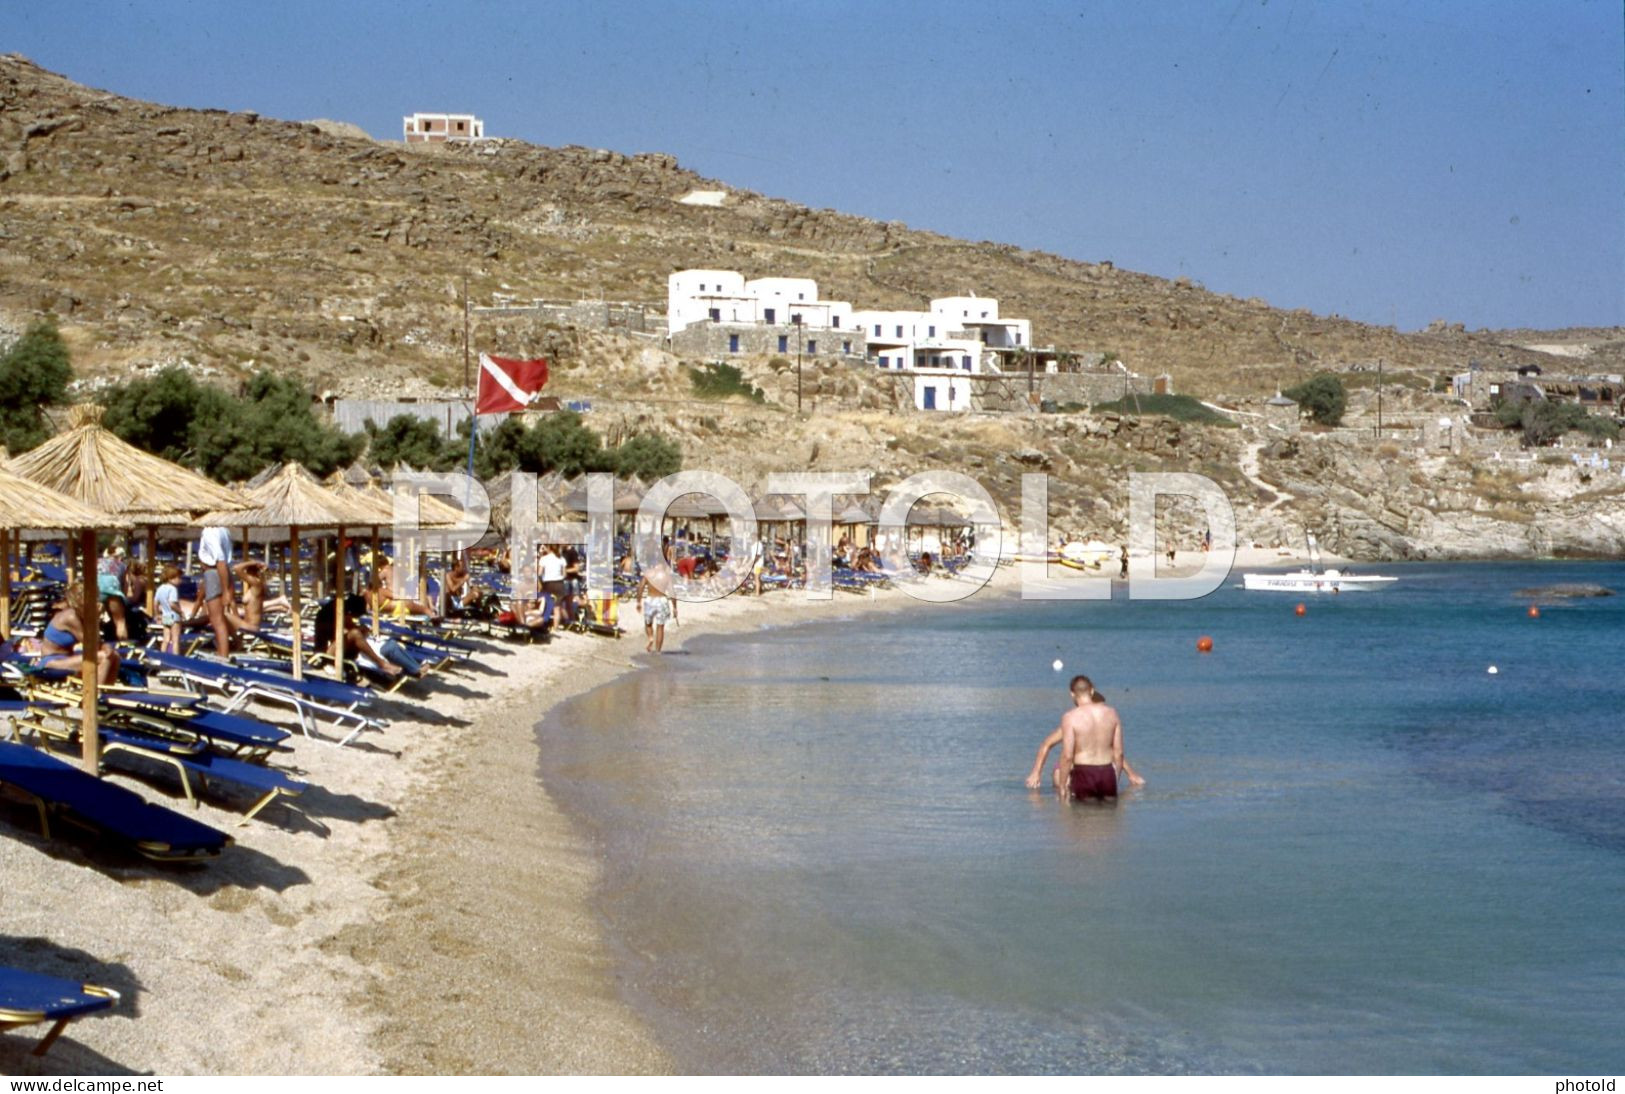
{"x": 197, "y": 724}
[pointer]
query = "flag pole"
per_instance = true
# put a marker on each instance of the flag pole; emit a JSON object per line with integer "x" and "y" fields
{"x": 468, "y": 393}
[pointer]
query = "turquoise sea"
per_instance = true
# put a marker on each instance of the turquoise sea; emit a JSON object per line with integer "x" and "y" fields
{"x": 1357, "y": 852}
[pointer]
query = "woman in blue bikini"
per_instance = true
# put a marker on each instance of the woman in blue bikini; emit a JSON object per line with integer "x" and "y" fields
{"x": 61, "y": 637}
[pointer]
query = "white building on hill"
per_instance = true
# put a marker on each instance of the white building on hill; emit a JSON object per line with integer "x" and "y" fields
{"x": 421, "y": 128}
{"x": 718, "y": 311}
{"x": 724, "y": 296}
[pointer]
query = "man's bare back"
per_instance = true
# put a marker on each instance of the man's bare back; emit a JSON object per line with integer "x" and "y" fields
{"x": 1093, "y": 728}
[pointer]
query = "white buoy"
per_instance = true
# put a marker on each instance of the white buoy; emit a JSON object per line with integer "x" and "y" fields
{"x": 1057, "y": 666}
{"x": 1494, "y": 671}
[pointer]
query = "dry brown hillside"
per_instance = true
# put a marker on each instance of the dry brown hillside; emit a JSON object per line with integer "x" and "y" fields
{"x": 231, "y": 240}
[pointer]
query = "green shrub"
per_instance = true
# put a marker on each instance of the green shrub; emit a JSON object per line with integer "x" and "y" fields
{"x": 1543, "y": 421}
{"x": 1323, "y": 396}
{"x": 720, "y": 380}
{"x": 1182, "y": 408}
{"x": 408, "y": 439}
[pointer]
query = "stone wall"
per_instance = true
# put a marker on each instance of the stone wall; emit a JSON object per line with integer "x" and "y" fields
{"x": 584, "y": 314}
{"x": 712, "y": 341}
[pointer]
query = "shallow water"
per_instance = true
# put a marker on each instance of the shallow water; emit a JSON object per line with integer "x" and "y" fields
{"x": 1357, "y": 852}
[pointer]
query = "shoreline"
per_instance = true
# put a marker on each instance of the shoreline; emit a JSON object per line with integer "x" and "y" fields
{"x": 537, "y": 885}
{"x": 426, "y": 906}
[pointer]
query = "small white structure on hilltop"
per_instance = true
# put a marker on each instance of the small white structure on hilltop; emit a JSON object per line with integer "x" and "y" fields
{"x": 424, "y": 128}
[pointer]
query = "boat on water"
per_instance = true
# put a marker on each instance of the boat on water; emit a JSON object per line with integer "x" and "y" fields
{"x": 1315, "y": 579}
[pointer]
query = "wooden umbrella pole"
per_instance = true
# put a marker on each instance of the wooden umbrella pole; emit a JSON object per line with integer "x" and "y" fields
{"x": 293, "y": 598}
{"x": 5, "y": 585}
{"x": 338, "y": 609}
{"x": 90, "y": 624}
{"x": 152, "y": 568}
{"x": 377, "y": 616}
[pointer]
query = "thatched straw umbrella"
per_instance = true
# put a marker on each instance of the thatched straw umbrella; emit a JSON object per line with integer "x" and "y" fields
{"x": 25, "y": 504}
{"x": 291, "y": 498}
{"x": 92, "y": 464}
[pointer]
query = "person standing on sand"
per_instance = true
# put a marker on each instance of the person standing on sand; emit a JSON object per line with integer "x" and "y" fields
{"x": 1091, "y": 740}
{"x": 214, "y": 555}
{"x": 1123, "y": 558}
{"x": 658, "y": 609}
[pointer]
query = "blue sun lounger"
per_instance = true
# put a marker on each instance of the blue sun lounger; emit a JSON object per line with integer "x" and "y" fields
{"x": 309, "y": 698}
{"x": 27, "y": 998}
{"x": 57, "y": 789}
{"x": 195, "y": 765}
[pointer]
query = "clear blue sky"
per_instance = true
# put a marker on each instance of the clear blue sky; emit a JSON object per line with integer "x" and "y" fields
{"x": 1387, "y": 161}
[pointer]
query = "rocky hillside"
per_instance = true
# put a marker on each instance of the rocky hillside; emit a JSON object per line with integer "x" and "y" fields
{"x": 231, "y": 240}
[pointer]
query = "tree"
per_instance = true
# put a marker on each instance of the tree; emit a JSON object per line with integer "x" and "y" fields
{"x": 560, "y": 442}
{"x": 409, "y": 439}
{"x": 273, "y": 423}
{"x": 498, "y": 450}
{"x": 156, "y": 413}
{"x": 1323, "y": 396}
{"x": 227, "y": 438}
{"x": 34, "y": 374}
{"x": 648, "y": 456}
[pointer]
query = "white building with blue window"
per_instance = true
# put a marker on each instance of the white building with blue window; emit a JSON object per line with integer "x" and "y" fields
{"x": 958, "y": 336}
{"x": 725, "y": 297}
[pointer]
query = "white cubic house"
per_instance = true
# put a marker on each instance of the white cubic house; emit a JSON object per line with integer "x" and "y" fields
{"x": 960, "y": 336}
{"x": 717, "y": 313}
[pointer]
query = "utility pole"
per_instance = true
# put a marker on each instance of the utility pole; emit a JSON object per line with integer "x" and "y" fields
{"x": 1379, "y": 398}
{"x": 796, "y": 319}
{"x": 467, "y": 390}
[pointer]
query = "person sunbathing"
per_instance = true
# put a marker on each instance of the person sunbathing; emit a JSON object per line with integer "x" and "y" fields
{"x": 254, "y": 605}
{"x": 62, "y": 636}
{"x": 391, "y": 658}
{"x": 382, "y": 599}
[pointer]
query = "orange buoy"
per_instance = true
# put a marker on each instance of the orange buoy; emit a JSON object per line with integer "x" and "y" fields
{"x": 1204, "y": 644}
{"x": 1534, "y": 612}
{"x": 1300, "y": 610}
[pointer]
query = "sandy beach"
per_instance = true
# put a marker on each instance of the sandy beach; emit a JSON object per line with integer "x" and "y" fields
{"x": 423, "y": 907}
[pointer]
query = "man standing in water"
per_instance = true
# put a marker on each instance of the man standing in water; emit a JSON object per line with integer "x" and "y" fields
{"x": 1091, "y": 740}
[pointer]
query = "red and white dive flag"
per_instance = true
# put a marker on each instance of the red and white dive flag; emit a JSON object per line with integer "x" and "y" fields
{"x": 506, "y": 384}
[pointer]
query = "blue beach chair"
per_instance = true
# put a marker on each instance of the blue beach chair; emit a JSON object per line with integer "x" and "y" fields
{"x": 310, "y": 698}
{"x": 195, "y": 765}
{"x": 60, "y": 790}
{"x": 27, "y": 998}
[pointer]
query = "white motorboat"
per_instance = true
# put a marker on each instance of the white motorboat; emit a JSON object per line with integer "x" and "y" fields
{"x": 1315, "y": 579}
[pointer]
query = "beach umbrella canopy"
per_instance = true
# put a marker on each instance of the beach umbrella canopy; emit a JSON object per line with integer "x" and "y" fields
{"x": 626, "y": 500}
{"x": 25, "y": 504}
{"x": 92, "y": 464}
{"x": 848, "y": 511}
{"x": 383, "y": 511}
{"x": 778, "y": 509}
{"x": 290, "y": 497}
{"x": 690, "y": 507}
{"x": 549, "y": 489}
